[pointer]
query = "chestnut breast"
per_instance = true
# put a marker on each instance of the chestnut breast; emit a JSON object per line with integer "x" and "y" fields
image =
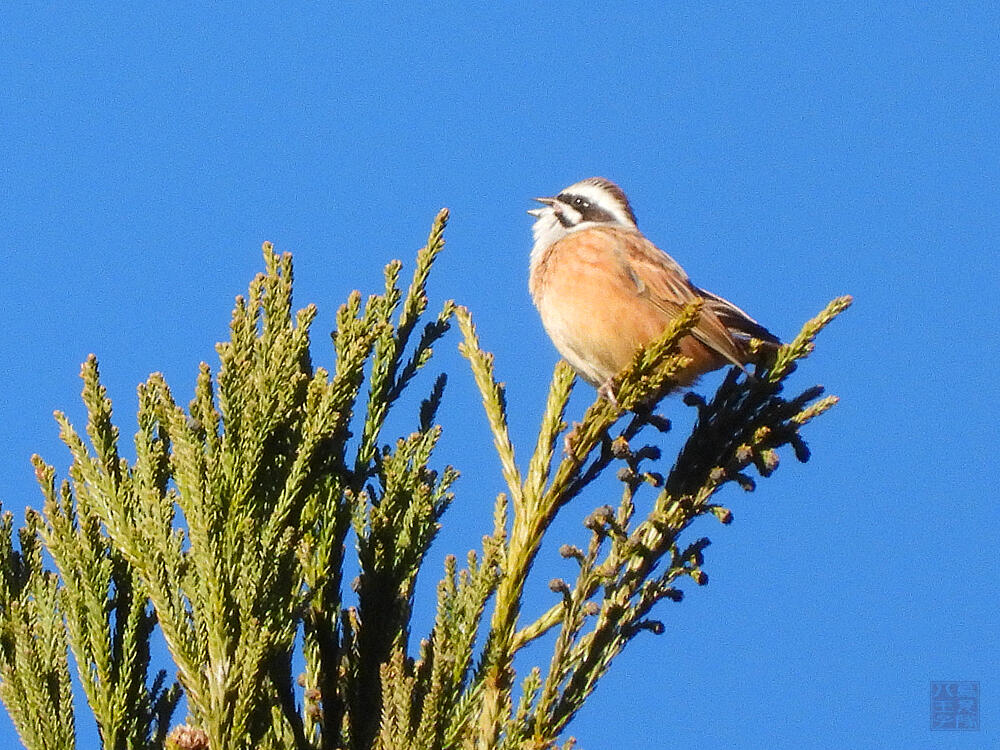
{"x": 594, "y": 304}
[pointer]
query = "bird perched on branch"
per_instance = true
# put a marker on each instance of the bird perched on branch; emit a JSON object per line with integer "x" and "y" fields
{"x": 603, "y": 290}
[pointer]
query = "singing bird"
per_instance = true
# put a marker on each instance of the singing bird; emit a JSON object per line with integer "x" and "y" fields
{"x": 603, "y": 290}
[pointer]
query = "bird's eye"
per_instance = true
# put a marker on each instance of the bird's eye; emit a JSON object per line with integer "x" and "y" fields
{"x": 580, "y": 202}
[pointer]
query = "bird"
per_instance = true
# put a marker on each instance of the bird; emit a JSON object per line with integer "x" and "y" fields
{"x": 603, "y": 290}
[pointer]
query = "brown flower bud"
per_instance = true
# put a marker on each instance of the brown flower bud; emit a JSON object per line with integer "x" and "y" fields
{"x": 184, "y": 737}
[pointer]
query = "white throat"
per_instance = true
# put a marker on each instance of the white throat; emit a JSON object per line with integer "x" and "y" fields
{"x": 548, "y": 230}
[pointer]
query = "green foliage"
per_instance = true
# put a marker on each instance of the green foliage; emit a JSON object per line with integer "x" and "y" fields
{"x": 228, "y": 534}
{"x": 34, "y": 671}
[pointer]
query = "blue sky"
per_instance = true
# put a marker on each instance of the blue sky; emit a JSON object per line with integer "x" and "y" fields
{"x": 783, "y": 154}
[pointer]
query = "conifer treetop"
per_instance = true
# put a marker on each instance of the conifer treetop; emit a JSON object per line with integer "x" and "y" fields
{"x": 228, "y": 537}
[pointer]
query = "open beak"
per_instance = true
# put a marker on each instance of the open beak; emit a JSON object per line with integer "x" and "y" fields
{"x": 539, "y": 211}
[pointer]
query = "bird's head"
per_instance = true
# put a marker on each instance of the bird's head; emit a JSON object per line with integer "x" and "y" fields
{"x": 588, "y": 203}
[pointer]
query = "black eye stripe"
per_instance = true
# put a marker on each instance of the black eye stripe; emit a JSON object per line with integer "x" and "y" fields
{"x": 588, "y": 211}
{"x": 576, "y": 201}
{"x": 598, "y": 214}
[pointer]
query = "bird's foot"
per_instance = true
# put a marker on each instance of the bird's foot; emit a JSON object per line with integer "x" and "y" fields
{"x": 606, "y": 391}
{"x": 569, "y": 438}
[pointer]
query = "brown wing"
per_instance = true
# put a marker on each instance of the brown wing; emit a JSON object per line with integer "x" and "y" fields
{"x": 660, "y": 280}
{"x": 736, "y": 320}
